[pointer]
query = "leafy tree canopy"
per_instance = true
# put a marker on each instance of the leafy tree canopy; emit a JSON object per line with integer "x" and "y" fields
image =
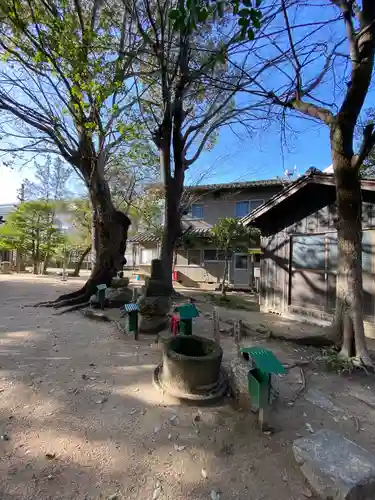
{"x": 32, "y": 230}
{"x": 192, "y": 13}
{"x": 230, "y": 235}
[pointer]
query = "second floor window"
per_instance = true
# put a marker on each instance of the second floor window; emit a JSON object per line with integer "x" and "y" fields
{"x": 197, "y": 211}
{"x": 243, "y": 208}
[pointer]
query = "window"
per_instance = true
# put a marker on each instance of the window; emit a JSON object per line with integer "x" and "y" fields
{"x": 243, "y": 208}
{"x": 194, "y": 257}
{"x": 255, "y": 204}
{"x": 145, "y": 255}
{"x": 241, "y": 262}
{"x": 213, "y": 255}
{"x": 197, "y": 211}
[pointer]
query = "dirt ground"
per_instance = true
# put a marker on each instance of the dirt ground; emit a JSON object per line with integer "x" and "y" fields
{"x": 80, "y": 418}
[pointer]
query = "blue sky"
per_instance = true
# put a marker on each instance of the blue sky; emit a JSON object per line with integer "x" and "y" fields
{"x": 232, "y": 159}
{"x": 261, "y": 156}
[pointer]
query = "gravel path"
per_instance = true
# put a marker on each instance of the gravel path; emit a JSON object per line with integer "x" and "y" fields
{"x": 80, "y": 419}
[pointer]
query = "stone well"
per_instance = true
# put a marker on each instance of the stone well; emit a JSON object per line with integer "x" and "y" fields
{"x": 191, "y": 369}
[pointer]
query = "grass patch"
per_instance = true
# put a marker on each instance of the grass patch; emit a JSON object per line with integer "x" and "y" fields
{"x": 336, "y": 364}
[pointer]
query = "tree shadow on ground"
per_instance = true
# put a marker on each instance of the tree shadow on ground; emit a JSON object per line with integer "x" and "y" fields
{"x": 83, "y": 391}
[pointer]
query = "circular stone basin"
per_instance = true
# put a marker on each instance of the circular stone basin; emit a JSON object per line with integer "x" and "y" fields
{"x": 191, "y": 368}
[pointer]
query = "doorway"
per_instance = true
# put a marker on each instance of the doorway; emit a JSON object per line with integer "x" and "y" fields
{"x": 241, "y": 270}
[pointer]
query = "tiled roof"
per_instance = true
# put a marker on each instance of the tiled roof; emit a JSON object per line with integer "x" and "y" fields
{"x": 239, "y": 185}
{"x": 190, "y": 227}
{"x": 312, "y": 176}
{"x": 144, "y": 237}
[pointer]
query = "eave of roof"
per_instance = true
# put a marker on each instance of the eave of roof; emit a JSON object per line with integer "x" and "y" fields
{"x": 202, "y": 230}
{"x": 313, "y": 178}
{"x": 238, "y": 185}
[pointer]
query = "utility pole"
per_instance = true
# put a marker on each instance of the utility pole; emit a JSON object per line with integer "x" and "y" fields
{"x": 21, "y": 199}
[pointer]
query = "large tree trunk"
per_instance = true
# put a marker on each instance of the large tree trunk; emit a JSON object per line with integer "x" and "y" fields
{"x": 111, "y": 230}
{"x": 45, "y": 263}
{"x": 172, "y": 217}
{"x": 78, "y": 265}
{"x": 94, "y": 238}
{"x": 171, "y": 232}
{"x": 348, "y": 321}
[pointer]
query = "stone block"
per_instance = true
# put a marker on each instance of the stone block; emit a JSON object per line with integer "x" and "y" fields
{"x": 157, "y": 288}
{"x": 238, "y": 382}
{"x": 153, "y": 313}
{"x": 157, "y": 269}
{"x": 118, "y": 282}
{"x": 117, "y": 297}
{"x": 336, "y": 468}
{"x": 154, "y": 306}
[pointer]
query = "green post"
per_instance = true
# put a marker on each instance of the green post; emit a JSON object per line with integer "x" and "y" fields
{"x": 131, "y": 311}
{"x": 101, "y": 294}
{"x": 259, "y": 379}
{"x": 259, "y": 388}
{"x": 186, "y": 313}
{"x": 186, "y": 327}
{"x": 133, "y": 321}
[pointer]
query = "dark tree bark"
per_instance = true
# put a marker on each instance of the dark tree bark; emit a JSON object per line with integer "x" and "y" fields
{"x": 111, "y": 230}
{"x": 173, "y": 192}
{"x": 348, "y": 322}
{"x": 46, "y": 263}
{"x": 172, "y": 231}
{"x": 347, "y": 327}
{"x": 78, "y": 265}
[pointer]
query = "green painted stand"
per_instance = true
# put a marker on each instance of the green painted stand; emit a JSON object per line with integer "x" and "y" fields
{"x": 259, "y": 380}
{"x": 132, "y": 311}
{"x": 186, "y": 327}
{"x": 100, "y": 294}
{"x": 133, "y": 321}
{"x": 187, "y": 313}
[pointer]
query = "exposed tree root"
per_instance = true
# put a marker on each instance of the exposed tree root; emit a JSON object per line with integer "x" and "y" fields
{"x": 50, "y": 303}
{"x": 61, "y": 298}
{"x": 365, "y": 363}
{"x": 303, "y": 387}
{"x": 73, "y": 308}
{"x": 69, "y": 299}
{"x": 310, "y": 340}
{"x": 74, "y": 301}
{"x": 72, "y": 295}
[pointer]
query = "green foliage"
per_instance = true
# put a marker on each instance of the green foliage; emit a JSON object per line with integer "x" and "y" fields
{"x": 337, "y": 364}
{"x": 81, "y": 220}
{"x": 130, "y": 172}
{"x": 190, "y": 15}
{"x": 67, "y": 67}
{"x": 31, "y": 229}
{"x": 230, "y": 235}
{"x": 147, "y": 212}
